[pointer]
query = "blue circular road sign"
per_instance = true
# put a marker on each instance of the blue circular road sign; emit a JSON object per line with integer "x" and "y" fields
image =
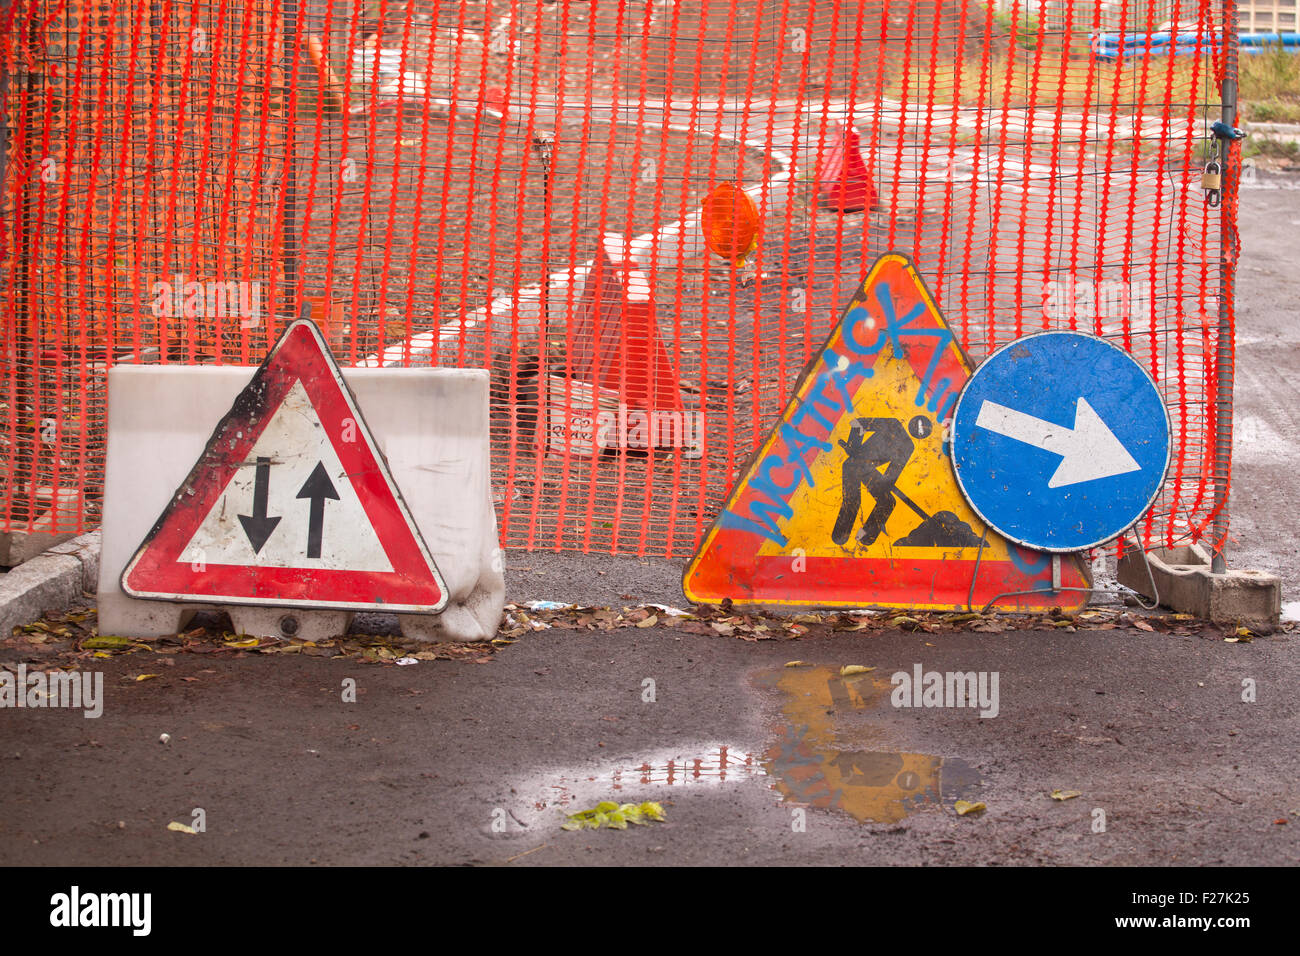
{"x": 1060, "y": 441}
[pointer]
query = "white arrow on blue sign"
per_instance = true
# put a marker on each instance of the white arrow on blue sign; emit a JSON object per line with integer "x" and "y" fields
{"x": 1060, "y": 441}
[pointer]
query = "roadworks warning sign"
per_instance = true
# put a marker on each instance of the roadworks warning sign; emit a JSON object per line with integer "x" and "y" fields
{"x": 852, "y": 500}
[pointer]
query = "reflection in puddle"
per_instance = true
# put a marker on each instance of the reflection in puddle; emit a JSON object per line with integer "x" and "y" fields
{"x": 818, "y": 763}
{"x": 573, "y": 790}
{"x": 827, "y": 753}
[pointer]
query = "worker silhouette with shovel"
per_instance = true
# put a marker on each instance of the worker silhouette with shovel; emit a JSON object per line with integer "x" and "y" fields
{"x": 873, "y": 443}
{"x": 876, "y": 443}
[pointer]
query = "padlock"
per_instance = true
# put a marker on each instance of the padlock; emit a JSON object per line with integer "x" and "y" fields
{"x": 1212, "y": 179}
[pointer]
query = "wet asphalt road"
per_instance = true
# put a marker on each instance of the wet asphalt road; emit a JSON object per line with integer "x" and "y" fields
{"x": 1266, "y": 420}
{"x": 450, "y": 762}
{"x": 453, "y": 763}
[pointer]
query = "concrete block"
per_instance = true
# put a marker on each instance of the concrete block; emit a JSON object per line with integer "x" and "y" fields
{"x": 19, "y": 546}
{"x": 54, "y": 507}
{"x": 86, "y": 550}
{"x": 50, "y": 581}
{"x": 430, "y": 424}
{"x": 1185, "y": 583}
{"x": 45, "y": 583}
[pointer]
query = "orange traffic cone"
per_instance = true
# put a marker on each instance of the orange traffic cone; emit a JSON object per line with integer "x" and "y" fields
{"x": 843, "y": 179}
{"x": 327, "y": 81}
{"x": 622, "y": 391}
{"x": 616, "y": 341}
{"x": 494, "y": 98}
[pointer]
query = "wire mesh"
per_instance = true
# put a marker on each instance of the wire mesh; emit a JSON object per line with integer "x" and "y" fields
{"x": 519, "y": 185}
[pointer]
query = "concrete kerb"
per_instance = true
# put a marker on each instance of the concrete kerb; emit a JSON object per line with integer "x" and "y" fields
{"x": 1185, "y": 583}
{"x": 52, "y": 580}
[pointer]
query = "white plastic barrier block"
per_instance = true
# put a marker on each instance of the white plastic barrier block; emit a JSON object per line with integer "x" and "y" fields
{"x": 430, "y": 424}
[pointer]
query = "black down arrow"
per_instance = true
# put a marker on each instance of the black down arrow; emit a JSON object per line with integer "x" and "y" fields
{"x": 317, "y": 487}
{"x": 258, "y": 526}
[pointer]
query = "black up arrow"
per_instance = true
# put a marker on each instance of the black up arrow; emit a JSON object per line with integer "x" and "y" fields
{"x": 318, "y": 487}
{"x": 258, "y": 526}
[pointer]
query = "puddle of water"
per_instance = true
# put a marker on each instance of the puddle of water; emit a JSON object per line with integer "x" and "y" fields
{"x": 823, "y": 761}
{"x": 827, "y": 753}
{"x": 569, "y": 790}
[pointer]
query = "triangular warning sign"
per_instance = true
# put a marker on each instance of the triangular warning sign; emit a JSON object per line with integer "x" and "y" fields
{"x": 852, "y": 500}
{"x": 291, "y": 504}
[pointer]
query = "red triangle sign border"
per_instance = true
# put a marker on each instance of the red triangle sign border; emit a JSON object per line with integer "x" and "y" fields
{"x": 159, "y": 569}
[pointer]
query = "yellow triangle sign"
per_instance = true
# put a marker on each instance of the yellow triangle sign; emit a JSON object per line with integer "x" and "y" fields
{"x": 852, "y": 500}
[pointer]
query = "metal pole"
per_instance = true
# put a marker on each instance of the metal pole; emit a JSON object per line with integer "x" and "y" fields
{"x": 26, "y": 370}
{"x": 1227, "y": 285}
{"x": 544, "y": 144}
{"x": 289, "y": 224}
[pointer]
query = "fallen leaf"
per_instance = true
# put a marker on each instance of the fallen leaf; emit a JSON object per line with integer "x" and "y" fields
{"x": 848, "y": 670}
{"x": 1066, "y": 794}
{"x": 140, "y": 677}
{"x": 651, "y": 621}
{"x": 181, "y": 828}
{"x": 796, "y": 663}
{"x": 963, "y": 807}
{"x": 1143, "y": 626}
{"x": 106, "y": 642}
{"x": 245, "y": 642}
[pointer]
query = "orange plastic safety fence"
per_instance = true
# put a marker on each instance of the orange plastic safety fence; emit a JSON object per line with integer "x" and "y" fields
{"x": 534, "y": 187}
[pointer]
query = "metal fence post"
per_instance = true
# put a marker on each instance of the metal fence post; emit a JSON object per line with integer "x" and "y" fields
{"x": 1228, "y": 244}
{"x": 290, "y": 305}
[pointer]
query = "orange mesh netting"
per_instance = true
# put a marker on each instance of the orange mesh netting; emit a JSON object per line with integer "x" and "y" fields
{"x": 521, "y": 185}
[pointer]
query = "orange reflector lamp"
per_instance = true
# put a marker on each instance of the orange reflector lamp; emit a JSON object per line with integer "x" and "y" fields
{"x": 730, "y": 223}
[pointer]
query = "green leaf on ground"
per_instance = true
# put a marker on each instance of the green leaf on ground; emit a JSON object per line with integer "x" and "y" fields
{"x": 106, "y": 642}
{"x": 610, "y": 815}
